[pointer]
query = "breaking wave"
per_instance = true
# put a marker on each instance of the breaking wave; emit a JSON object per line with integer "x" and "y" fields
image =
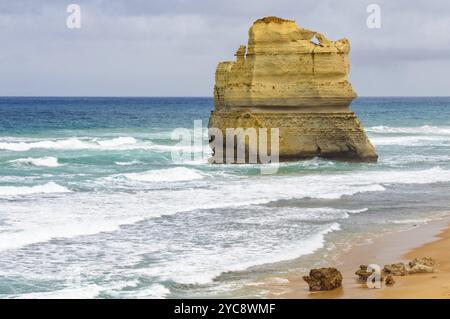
{"x": 29, "y": 190}
{"x": 176, "y": 174}
{"x": 128, "y": 163}
{"x": 118, "y": 143}
{"x": 69, "y": 144}
{"x": 40, "y": 161}
{"x": 417, "y": 140}
{"x": 426, "y": 129}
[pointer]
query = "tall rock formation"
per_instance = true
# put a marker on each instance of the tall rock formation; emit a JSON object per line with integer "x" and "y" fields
{"x": 296, "y": 80}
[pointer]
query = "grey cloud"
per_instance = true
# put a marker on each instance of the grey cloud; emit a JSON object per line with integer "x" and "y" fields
{"x": 139, "y": 47}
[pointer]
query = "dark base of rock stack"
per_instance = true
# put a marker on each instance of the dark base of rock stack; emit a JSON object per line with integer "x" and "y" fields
{"x": 303, "y": 135}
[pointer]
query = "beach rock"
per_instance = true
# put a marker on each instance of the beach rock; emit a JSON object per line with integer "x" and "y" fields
{"x": 363, "y": 273}
{"x": 390, "y": 280}
{"x": 323, "y": 279}
{"x": 398, "y": 269}
{"x": 422, "y": 265}
{"x": 295, "y": 80}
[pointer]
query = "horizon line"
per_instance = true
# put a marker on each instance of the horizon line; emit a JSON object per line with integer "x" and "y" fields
{"x": 194, "y": 97}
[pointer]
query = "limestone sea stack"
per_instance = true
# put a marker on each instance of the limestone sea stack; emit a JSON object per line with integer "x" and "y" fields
{"x": 295, "y": 80}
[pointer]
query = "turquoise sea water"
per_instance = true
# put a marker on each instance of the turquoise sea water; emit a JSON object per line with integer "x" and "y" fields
{"x": 92, "y": 204}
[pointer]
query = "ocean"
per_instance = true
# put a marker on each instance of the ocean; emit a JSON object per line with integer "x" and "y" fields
{"x": 93, "y": 205}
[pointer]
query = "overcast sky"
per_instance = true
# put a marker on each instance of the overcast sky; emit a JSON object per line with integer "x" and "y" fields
{"x": 171, "y": 47}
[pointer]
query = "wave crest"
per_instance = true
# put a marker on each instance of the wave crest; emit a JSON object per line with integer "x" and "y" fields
{"x": 50, "y": 187}
{"x": 69, "y": 144}
{"x": 425, "y": 129}
{"x": 40, "y": 161}
{"x": 176, "y": 174}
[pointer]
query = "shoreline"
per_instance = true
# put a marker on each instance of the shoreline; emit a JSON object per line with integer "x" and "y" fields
{"x": 428, "y": 240}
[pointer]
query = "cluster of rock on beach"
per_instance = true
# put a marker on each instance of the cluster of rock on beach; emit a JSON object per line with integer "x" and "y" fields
{"x": 323, "y": 279}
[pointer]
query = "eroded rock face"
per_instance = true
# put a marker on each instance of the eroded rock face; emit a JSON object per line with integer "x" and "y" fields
{"x": 296, "y": 80}
{"x": 323, "y": 279}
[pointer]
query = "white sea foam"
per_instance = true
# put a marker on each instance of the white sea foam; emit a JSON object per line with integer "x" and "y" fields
{"x": 28, "y": 190}
{"x": 91, "y": 213}
{"x": 84, "y": 213}
{"x": 88, "y": 214}
{"x": 207, "y": 264}
{"x": 426, "y": 129}
{"x": 85, "y": 292}
{"x": 416, "y": 140}
{"x": 428, "y": 176}
{"x": 176, "y": 174}
{"x": 130, "y": 163}
{"x": 118, "y": 143}
{"x": 40, "y": 161}
{"x": 279, "y": 281}
{"x": 414, "y": 136}
{"x": 412, "y": 221}
{"x": 74, "y": 144}
{"x": 155, "y": 291}
{"x": 75, "y": 226}
{"x": 179, "y": 148}
{"x": 357, "y": 211}
{"x": 68, "y": 144}
{"x": 415, "y": 158}
{"x": 62, "y": 144}
{"x": 319, "y": 214}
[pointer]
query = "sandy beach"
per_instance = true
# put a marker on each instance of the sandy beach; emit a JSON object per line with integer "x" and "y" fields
{"x": 430, "y": 240}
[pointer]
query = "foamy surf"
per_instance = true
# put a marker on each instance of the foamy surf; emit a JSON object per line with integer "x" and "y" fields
{"x": 417, "y": 140}
{"x": 301, "y": 214}
{"x": 411, "y": 159}
{"x": 48, "y": 161}
{"x": 76, "y": 144}
{"x": 72, "y": 226}
{"x": 130, "y": 163}
{"x": 413, "y": 221}
{"x": 82, "y": 292}
{"x": 29, "y": 190}
{"x": 89, "y": 143}
{"x": 177, "y": 174}
{"x": 91, "y": 291}
{"x": 164, "y": 201}
{"x": 425, "y": 129}
{"x": 207, "y": 265}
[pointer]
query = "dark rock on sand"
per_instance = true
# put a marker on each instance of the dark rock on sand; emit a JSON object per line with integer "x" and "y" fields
{"x": 323, "y": 279}
{"x": 390, "y": 280}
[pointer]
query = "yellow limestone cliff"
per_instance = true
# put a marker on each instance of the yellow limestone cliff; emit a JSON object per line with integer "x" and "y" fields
{"x": 295, "y": 80}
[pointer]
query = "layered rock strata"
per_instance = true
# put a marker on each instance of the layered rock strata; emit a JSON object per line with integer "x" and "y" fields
{"x": 295, "y": 80}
